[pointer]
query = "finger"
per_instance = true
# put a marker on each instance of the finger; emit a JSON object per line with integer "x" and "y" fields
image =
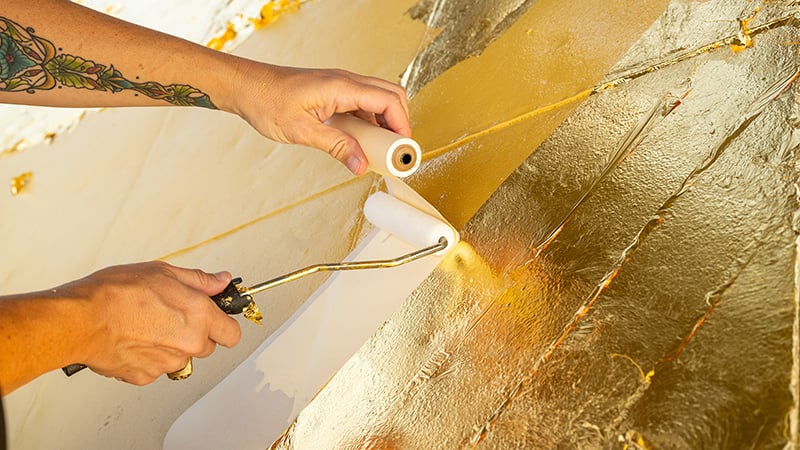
{"x": 138, "y": 378}
{"x": 206, "y": 350}
{"x": 378, "y": 101}
{"x": 340, "y": 145}
{"x": 224, "y": 330}
{"x": 143, "y": 365}
{"x": 195, "y": 341}
{"x": 176, "y": 364}
{"x": 387, "y": 85}
{"x": 381, "y": 121}
{"x": 209, "y": 284}
{"x": 367, "y": 117}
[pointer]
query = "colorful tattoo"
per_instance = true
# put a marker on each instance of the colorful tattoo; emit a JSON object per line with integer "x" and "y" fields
{"x": 30, "y": 63}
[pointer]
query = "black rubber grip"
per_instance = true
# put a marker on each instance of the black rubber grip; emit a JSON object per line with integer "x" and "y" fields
{"x": 72, "y": 369}
{"x": 230, "y": 299}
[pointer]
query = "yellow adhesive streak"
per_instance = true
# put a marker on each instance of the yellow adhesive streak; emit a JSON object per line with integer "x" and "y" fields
{"x": 13, "y": 149}
{"x": 272, "y": 213}
{"x": 508, "y": 123}
{"x": 269, "y": 12}
{"x": 273, "y": 9}
{"x": 219, "y": 42}
{"x": 638, "y": 367}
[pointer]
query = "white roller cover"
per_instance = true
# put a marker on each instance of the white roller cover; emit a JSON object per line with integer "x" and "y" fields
{"x": 408, "y": 223}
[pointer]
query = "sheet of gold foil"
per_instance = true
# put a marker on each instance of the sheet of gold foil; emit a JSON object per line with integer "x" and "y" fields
{"x": 633, "y": 284}
{"x": 540, "y": 68}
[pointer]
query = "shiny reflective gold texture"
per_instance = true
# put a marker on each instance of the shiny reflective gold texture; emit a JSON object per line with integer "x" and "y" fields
{"x": 20, "y": 183}
{"x": 633, "y": 284}
{"x": 218, "y": 42}
{"x": 270, "y": 12}
{"x": 253, "y": 314}
{"x": 551, "y": 56}
{"x": 13, "y": 149}
{"x": 182, "y": 374}
{"x": 273, "y": 9}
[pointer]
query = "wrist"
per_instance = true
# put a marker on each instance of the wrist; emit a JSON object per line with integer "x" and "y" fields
{"x": 81, "y": 322}
{"x": 228, "y": 74}
{"x": 247, "y": 79}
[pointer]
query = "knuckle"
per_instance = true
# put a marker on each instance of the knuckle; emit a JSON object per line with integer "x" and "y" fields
{"x": 200, "y": 276}
{"x": 140, "y": 379}
{"x": 206, "y": 350}
{"x": 197, "y": 346}
{"x": 160, "y": 268}
{"x": 339, "y": 148}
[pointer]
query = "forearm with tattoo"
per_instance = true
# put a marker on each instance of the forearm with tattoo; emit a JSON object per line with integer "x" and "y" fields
{"x": 29, "y": 63}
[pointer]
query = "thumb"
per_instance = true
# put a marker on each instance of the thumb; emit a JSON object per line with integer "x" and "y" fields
{"x": 342, "y": 146}
{"x": 207, "y": 283}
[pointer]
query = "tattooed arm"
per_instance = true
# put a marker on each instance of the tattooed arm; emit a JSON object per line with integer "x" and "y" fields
{"x": 58, "y": 53}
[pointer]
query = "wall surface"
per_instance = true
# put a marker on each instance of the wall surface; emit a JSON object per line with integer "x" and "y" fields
{"x": 624, "y": 178}
{"x": 633, "y": 283}
{"x": 196, "y": 188}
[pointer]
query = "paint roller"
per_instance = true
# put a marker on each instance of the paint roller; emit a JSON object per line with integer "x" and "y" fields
{"x": 409, "y": 218}
{"x": 392, "y": 156}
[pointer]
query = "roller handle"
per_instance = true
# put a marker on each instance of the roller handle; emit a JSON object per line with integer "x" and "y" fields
{"x": 230, "y": 300}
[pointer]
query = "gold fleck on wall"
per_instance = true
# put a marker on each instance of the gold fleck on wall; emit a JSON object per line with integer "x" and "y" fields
{"x": 20, "y": 183}
{"x": 13, "y": 149}
{"x": 273, "y": 9}
{"x": 269, "y": 13}
{"x": 218, "y": 42}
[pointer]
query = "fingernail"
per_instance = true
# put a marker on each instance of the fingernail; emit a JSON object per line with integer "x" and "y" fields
{"x": 354, "y": 163}
{"x": 221, "y": 276}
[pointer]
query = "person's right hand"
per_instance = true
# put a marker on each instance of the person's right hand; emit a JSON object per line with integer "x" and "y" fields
{"x": 153, "y": 317}
{"x": 291, "y": 105}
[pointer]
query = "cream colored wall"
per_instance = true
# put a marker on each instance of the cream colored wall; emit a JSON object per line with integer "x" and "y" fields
{"x": 198, "y": 188}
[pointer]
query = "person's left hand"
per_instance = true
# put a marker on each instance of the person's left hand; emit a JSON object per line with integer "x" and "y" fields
{"x": 291, "y": 105}
{"x": 153, "y": 317}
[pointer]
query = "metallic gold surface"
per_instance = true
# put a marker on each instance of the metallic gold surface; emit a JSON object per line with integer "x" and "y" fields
{"x": 13, "y": 149}
{"x": 20, "y": 182}
{"x": 540, "y": 68}
{"x": 633, "y": 284}
{"x": 253, "y": 314}
{"x": 273, "y": 9}
{"x": 182, "y": 374}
